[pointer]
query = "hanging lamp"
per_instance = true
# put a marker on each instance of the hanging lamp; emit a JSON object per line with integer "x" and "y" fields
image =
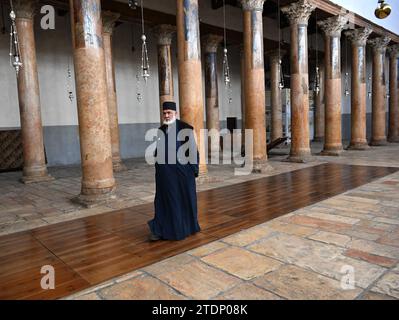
{"x": 226, "y": 68}
{"x": 317, "y": 74}
{"x": 281, "y": 82}
{"x": 15, "y": 52}
{"x": 145, "y": 66}
{"x": 347, "y": 92}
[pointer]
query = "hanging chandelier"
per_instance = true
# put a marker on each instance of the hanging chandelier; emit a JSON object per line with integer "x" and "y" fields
{"x": 15, "y": 52}
{"x": 133, "y": 4}
{"x": 369, "y": 94}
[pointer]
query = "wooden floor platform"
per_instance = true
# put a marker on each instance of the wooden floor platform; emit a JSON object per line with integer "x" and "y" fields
{"x": 88, "y": 251}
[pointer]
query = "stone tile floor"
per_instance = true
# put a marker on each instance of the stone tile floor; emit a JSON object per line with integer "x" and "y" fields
{"x": 312, "y": 253}
{"x": 346, "y": 247}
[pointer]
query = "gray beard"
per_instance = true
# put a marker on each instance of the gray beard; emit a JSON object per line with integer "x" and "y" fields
{"x": 169, "y": 122}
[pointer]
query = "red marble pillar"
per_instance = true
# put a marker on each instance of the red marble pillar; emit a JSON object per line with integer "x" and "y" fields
{"x": 35, "y": 169}
{"x": 109, "y": 19}
{"x": 242, "y": 75}
{"x": 319, "y": 114}
{"x": 210, "y": 45}
{"x": 98, "y": 182}
{"x": 378, "y": 136}
{"x": 254, "y": 85}
{"x": 190, "y": 72}
{"x": 298, "y": 13}
{"x": 393, "y": 132}
{"x": 358, "y": 38}
{"x": 165, "y": 33}
{"x": 332, "y": 28}
{"x": 275, "y": 58}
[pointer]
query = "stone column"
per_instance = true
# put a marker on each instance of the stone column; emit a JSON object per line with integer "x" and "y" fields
{"x": 275, "y": 57}
{"x": 35, "y": 169}
{"x": 210, "y": 44}
{"x": 109, "y": 18}
{"x": 358, "y": 38}
{"x": 332, "y": 28}
{"x": 393, "y": 132}
{"x": 254, "y": 85}
{"x": 98, "y": 181}
{"x": 298, "y": 13}
{"x": 378, "y": 136}
{"x": 165, "y": 34}
{"x": 319, "y": 98}
{"x": 190, "y": 73}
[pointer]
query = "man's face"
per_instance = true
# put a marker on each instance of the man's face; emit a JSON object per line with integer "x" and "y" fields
{"x": 169, "y": 115}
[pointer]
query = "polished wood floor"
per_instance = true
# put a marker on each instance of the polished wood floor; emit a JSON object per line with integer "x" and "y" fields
{"x": 88, "y": 251}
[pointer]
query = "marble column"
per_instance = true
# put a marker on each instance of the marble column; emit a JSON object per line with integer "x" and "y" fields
{"x": 358, "y": 38}
{"x": 109, "y": 18}
{"x": 393, "y": 132}
{"x": 164, "y": 33}
{"x": 275, "y": 58}
{"x": 254, "y": 85}
{"x": 210, "y": 45}
{"x": 332, "y": 28}
{"x": 98, "y": 182}
{"x": 35, "y": 169}
{"x": 190, "y": 72}
{"x": 378, "y": 135}
{"x": 298, "y": 13}
{"x": 319, "y": 100}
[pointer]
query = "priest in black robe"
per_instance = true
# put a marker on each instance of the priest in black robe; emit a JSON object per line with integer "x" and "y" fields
{"x": 176, "y": 168}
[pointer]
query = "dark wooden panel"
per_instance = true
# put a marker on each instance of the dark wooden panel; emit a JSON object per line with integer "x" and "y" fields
{"x": 91, "y": 250}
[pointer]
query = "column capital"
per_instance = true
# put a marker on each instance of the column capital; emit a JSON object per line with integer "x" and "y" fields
{"x": 25, "y": 9}
{"x": 109, "y": 18}
{"x": 359, "y": 36}
{"x": 379, "y": 44}
{"x": 333, "y": 26}
{"x": 393, "y": 51}
{"x": 275, "y": 55}
{"x": 164, "y": 33}
{"x": 252, "y": 5}
{"x": 210, "y": 42}
{"x": 299, "y": 12}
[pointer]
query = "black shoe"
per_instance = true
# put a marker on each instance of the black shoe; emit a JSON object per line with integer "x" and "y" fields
{"x": 154, "y": 237}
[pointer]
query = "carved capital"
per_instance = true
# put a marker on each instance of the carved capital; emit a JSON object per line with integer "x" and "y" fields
{"x": 275, "y": 55}
{"x": 380, "y": 44}
{"x": 164, "y": 33}
{"x": 25, "y": 9}
{"x": 109, "y": 18}
{"x": 359, "y": 36}
{"x": 333, "y": 26}
{"x": 210, "y": 42}
{"x": 252, "y": 5}
{"x": 299, "y": 12}
{"x": 393, "y": 51}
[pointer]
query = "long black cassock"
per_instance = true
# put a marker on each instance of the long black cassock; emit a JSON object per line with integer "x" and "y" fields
{"x": 175, "y": 202}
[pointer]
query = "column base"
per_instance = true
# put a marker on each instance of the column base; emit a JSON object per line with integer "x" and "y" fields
{"x": 118, "y": 166}
{"x": 358, "y": 146}
{"x": 36, "y": 179}
{"x": 304, "y": 156}
{"x": 379, "y": 143}
{"x": 204, "y": 178}
{"x": 261, "y": 166}
{"x": 332, "y": 151}
{"x": 393, "y": 139}
{"x": 94, "y": 200}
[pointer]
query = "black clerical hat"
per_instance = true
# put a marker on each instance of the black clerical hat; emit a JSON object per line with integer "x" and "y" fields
{"x": 169, "y": 105}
